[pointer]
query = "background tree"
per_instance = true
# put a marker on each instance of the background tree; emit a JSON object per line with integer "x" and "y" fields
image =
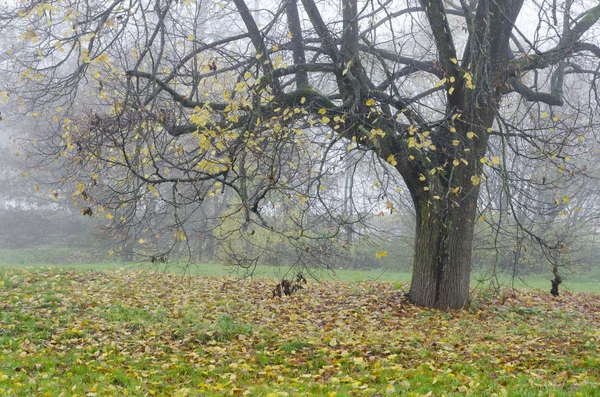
{"x": 184, "y": 109}
{"x": 534, "y": 214}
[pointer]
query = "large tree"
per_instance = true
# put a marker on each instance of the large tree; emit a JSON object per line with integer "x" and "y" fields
{"x": 193, "y": 98}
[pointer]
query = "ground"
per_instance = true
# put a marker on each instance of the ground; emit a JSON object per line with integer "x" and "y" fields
{"x": 114, "y": 333}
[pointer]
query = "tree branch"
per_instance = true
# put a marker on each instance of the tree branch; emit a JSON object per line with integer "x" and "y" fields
{"x": 438, "y": 22}
{"x": 293, "y": 20}
{"x": 256, "y": 38}
{"x": 324, "y": 34}
{"x": 552, "y": 99}
{"x": 396, "y": 14}
{"x": 567, "y": 46}
{"x": 412, "y": 65}
{"x": 177, "y": 97}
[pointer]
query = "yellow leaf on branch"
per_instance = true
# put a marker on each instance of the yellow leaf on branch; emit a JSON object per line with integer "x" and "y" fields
{"x": 392, "y": 160}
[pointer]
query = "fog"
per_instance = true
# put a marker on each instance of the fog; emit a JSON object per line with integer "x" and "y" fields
{"x": 48, "y": 215}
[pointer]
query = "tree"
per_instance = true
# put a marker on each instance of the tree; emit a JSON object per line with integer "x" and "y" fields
{"x": 266, "y": 107}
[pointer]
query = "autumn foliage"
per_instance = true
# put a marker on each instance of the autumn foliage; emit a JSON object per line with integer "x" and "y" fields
{"x": 138, "y": 333}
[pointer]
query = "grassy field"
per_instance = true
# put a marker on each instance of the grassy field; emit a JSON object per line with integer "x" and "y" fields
{"x": 572, "y": 282}
{"x": 126, "y": 332}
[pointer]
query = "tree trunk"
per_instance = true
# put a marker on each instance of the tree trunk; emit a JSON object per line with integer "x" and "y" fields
{"x": 443, "y": 250}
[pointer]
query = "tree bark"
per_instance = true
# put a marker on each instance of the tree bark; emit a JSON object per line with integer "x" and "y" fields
{"x": 443, "y": 250}
{"x": 445, "y": 199}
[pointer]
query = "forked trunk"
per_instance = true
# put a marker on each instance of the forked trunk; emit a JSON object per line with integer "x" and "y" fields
{"x": 442, "y": 265}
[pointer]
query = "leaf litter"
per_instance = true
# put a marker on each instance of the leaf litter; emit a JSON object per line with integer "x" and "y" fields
{"x": 70, "y": 333}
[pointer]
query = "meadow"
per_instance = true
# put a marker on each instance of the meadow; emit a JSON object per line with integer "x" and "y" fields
{"x": 84, "y": 332}
{"x": 572, "y": 281}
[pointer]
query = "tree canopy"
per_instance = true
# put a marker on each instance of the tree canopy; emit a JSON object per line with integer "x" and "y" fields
{"x": 157, "y": 108}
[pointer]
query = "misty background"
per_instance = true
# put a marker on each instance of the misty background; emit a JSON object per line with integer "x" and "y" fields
{"x": 39, "y": 224}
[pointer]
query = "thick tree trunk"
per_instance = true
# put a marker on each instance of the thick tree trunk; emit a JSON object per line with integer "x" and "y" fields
{"x": 443, "y": 249}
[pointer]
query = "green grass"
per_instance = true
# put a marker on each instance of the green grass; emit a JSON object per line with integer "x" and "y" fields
{"x": 56, "y": 254}
{"x": 572, "y": 282}
{"x": 115, "y": 333}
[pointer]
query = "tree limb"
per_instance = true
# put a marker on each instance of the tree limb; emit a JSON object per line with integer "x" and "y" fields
{"x": 438, "y": 22}
{"x": 257, "y": 39}
{"x": 552, "y": 99}
{"x": 412, "y": 65}
{"x": 324, "y": 34}
{"x": 177, "y": 97}
{"x": 293, "y": 19}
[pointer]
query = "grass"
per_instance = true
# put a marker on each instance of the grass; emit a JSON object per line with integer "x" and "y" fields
{"x": 572, "y": 282}
{"x": 124, "y": 332}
